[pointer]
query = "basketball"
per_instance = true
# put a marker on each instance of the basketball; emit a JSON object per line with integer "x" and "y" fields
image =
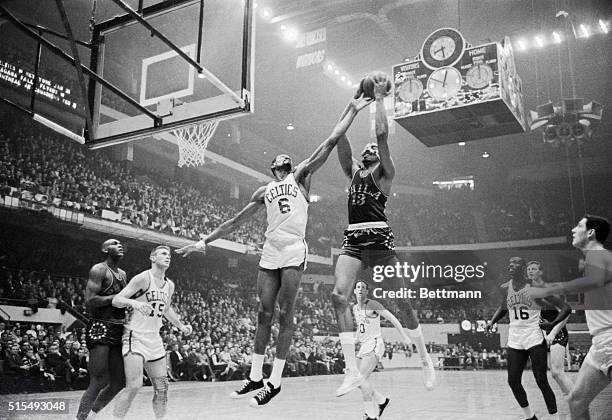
{"x": 367, "y": 83}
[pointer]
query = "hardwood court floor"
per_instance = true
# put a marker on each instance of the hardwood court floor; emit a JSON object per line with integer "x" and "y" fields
{"x": 482, "y": 395}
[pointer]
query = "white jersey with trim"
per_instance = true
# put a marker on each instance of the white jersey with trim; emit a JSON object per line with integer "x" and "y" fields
{"x": 523, "y": 311}
{"x": 598, "y": 320}
{"x": 368, "y": 323}
{"x": 287, "y": 211}
{"x": 158, "y": 298}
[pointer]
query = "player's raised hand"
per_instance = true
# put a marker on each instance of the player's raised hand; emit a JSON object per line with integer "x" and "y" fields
{"x": 188, "y": 249}
{"x": 361, "y": 102}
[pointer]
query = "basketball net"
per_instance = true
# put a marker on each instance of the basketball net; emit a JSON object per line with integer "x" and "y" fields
{"x": 193, "y": 141}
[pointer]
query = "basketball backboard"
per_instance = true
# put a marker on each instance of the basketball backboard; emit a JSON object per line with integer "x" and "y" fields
{"x": 151, "y": 66}
{"x": 160, "y": 79}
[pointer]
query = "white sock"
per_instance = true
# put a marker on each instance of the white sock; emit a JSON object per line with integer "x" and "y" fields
{"x": 256, "y": 367}
{"x": 416, "y": 336}
{"x": 378, "y": 397}
{"x": 277, "y": 372}
{"x": 369, "y": 409}
{"x": 527, "y": 411}
{"x": 347, "y": 340}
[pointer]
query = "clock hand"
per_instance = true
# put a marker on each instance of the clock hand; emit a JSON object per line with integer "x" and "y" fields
{"x": 445, "y": 76}
{"x": 479, "y": 72}
{"x": 436, "y": 80}
{"x": 440, "y": 49}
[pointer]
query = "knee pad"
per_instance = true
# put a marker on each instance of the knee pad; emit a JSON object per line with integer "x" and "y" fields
{"x": 160, "y": 389}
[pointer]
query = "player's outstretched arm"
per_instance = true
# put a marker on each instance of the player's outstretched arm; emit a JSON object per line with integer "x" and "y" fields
{"x": 93, "y": 287}
{"x": 320, "y": 155}
{"x": 256, "y": 202}
{"x": 560, "y": 321}
{"x": 599, "y": 275}
{"x": 562, "y": 306}
{"x": 136, "y": 285}
{"x": 381, "y": 125}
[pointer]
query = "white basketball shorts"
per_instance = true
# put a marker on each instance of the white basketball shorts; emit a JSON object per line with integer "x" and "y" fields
{"x": 148, "y": 344}
{"x": 376, "y": 346}
{"x": 600, "y": 353}
{"x": 524, "y": 338}
{"x": 278, "y": 256}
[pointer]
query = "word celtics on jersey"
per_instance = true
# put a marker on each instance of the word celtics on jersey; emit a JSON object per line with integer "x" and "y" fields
{"x": 158, "y": 298}
{"x": 523, "y": 310}
{"x": 287, "y": 210}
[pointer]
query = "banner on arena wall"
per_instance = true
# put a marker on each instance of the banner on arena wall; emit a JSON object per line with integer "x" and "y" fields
{"x": 111, "y": 215}
{"x": 310, "y": 48}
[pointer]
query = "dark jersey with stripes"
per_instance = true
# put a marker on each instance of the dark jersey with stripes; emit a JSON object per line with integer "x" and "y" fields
{"x": 113, "y": 283}
{"x": 366, "y": 202}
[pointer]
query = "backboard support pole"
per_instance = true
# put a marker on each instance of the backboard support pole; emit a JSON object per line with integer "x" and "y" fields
{"x": 77, "y": 62}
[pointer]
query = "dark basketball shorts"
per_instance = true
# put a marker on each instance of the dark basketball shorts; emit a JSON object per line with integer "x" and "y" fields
{"x": 373, "y": 246}
{"x": 101, "y": 331}
{"x": 561, "y": 338}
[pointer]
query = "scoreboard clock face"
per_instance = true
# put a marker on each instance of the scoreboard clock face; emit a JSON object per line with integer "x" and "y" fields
{"x": 411, "y": 90}
{"x": 444, "y": 83}
{"x": 444, "y": 47}
{"x": 479, "y": 76}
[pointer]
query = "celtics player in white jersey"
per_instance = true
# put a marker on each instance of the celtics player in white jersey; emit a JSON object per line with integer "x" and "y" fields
{"x": 526, "y": 339}
{"x": 284, "y": 254}
{"x": 557, "y": 337}
{"x": 367, "y": 313}
{"x": 147, "y": 298}
{"x": 595, "y": 374}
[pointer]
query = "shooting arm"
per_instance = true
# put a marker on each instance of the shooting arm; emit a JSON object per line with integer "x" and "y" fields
{"x": 382, "y": 136}
{"x": 345, "y": 156}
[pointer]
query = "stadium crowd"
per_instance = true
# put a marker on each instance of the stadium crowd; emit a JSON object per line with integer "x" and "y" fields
{"x": 39, "y": 166}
